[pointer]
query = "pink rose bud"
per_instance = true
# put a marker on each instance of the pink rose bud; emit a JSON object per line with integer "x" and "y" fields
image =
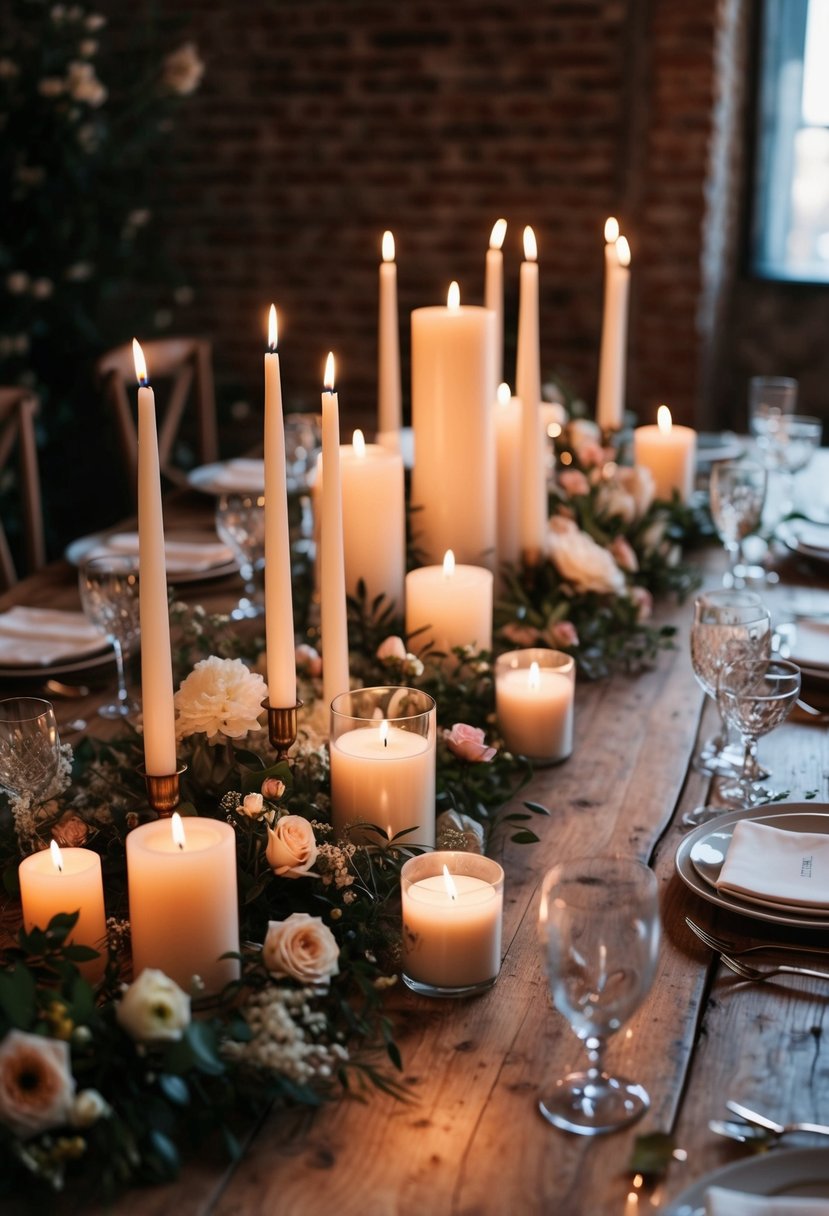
{"x": 574, "y": 482}
{"x": 624, "y": 555}
{"x": 393, "y": 649}
{"x": 308, "y": 660}
{"x": 468, "y": 743}
{"x": 643, "y": 600}
{"x": 273, "y": 788}
{"x": 562, "y": 635}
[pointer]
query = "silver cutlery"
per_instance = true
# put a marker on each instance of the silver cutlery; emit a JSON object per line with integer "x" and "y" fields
{"x": 747, "y": 972}
{"x": 818, "y": 716}
{"x": 743, "y": 1133}
{"x": 770, "y": 1125}
{"x": 724, "y": 945}
{"x": 58, "y": 689}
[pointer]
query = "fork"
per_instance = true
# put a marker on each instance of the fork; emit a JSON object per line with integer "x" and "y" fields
{"x": 724, "y": 945}
{"x": 766, "y": 973}
{"x": 779, "y": 1129}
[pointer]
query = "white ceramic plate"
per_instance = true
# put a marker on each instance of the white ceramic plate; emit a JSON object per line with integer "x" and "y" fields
{"x": 797, "y": 1173}
{"x": 795, "y": 816}
{"x": 797, "y": 539}
{"x": 64, "y": 667}
{"x": 81, "y": 548}
{"x": 240, "y": 476}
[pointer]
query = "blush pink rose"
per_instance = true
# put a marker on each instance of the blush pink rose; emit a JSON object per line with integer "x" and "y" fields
{"x": 302, "y": 947}
{"x": 392, "y": 649}
{"x": 624, "y": 555}
{"x": 573, "y": 482}
{"x": 468, "y": 743}
{"x": 643, "y": 600}
{"x": 308, "y": 660}
{"x": 36, "y": 1083}
{"x": 562, "y": 635}
{"x": 273, "y": 788}
{"x": 292, "y": 846}
{"x": 518, "y": 634}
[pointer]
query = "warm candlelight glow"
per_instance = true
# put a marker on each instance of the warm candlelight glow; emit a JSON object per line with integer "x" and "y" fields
{"x": 448, "y": 564}
{"x": 504, "y": 394}
{"x": 453, "y": 296}
{"x": 663, "y": 420}
{"x": 140, "y": 362}
{"x": 388, "y": 247}
{"x": 535, "y": 676}
{"x": 272, "y": 330}
{"x": 358, "y": 443}
{"x": 328, "y": 379}
{"x": 384, "y": 732}
{"x": 623, "y": 251}
{"x": 611, "y": 229}
{"x": 553, "y": 430}
{"x": 530, "y": 245}
{"x": 499, "y": 231}
{"x": 177, "y": 828}
{"x": 57, "y": 858}
{"x": 451, "y": 889}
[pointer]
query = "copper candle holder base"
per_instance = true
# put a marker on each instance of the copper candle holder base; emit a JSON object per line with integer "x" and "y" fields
{"x": 282, "y": 727}
{"x": 163, "y": 793}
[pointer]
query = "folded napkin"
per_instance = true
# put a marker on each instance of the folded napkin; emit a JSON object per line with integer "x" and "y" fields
{"x": 777, "y": 865}
{"x": 29, "y": 636}
{"x": 721, "y": 1202}
{"x": 241, "y": 475}
{"x": 808, "y": 643}
{"x": 182, "y": 557}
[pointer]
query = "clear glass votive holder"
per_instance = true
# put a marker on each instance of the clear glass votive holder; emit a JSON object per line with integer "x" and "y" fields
{"x": 453, "y": 905}
{"x": 383, "y": 749}
{"x": 534, "y": 692}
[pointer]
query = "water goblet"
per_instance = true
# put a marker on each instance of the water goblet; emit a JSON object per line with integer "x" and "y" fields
{"x": 109, "y": 595}
{"x": 240, "y": 523}
{"x": 770, "y": 399}
{"x": 737, "y": 493}
{"x": 29, "y": 747}
{"x": 799, "y": 439}
{"x": 755, "y": 696}
{"x": 599, "y": 929}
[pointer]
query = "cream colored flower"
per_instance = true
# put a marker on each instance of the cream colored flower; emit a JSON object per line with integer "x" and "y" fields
{"x": 70, "y": 831}
{"x": 573, "y": 482}
{"x": 84, "y": 85}
{"x": 639, "y": 483}
{"x": 89, "y": 1106}
{"x": 613, "y": 500}
{"x": 36, "y": 1083}
{"x": 450, "y": 825}
{"x": 301, "y": 947}
{"x": 220, "y": 697}
{"x": 292, "y": 846}
{"x": 392, "y": 649}
{"x": 154, "y": 1009}
{"x": 624, "y": 555}
{"x": 252, "y": 805}
{"x": 182, "y": 70}
{"x": 581, "y": 561}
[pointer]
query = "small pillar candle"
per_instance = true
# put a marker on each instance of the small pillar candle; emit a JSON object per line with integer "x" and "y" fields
{"x": 66, "y": 880}
{"x": 448, "y": 606}
{"x": 670, "y": 452}
{"x": 534, "y": 703}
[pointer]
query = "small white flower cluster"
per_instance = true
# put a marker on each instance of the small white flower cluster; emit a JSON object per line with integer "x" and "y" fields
{"x": 28, "y": 814}
{"x": 287, "y": 1036}
{"x": 334, "y": 866}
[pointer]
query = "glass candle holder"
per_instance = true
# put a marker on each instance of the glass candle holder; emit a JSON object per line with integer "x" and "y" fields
{"x": 383, "y": 743}
{"x": 534, "y": 692}
{"x": 453, "y": 906}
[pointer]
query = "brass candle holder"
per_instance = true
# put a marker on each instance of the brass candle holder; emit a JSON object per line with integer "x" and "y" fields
{"x": 163, "y": 793}
{"x": 282, "y": 727}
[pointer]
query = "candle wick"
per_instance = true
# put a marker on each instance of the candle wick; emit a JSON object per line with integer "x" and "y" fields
{"x": 181, "y": 846}
{"x": 385, "y": 741}
{"x": 143, "y": 382}
{"x": 60, "y": 867}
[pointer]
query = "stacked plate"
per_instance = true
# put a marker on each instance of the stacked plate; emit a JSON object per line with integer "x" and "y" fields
{"x": 191, "y": 556}
{"x": 42, "y": 642}
{"x": 239, "y": 476}
{"x": 807, "y": 644}
{"x": 807, "y": 539}
{"x": 798, "y": 1173}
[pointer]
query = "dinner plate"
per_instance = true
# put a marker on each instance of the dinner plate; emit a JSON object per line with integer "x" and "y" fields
{"x": 239, "y": 476}
{"x": 64, "y": 667}
{"x": 85, "y": 546}
{"x": 795, "y": 1172}
{"x": 796, "y": 816}
{"x": 805, "y": 538}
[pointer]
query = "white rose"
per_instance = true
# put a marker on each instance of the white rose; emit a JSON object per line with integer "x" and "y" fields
{"x": 639, "y": 483}
{"x": 154, "y": 1009}
{"x": 301, "y": 947}
{"x": 252, "y": 805}
{"x": 292, "y": 846}
{"x": 36, "y": 1083}
{"x": 89, "y": 1106}
{"x": 581, "y": 561}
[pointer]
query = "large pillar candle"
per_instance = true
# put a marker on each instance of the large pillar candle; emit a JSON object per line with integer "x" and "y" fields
{"x": 279, "y": 609}
{"x": 156, "y": 657}
{"x": 66, "y": 880}
{"x": 389, "y": 415}
{"x": 448, "y": 606}
{"x": 183, "y": 900}
{"x": 334, "y": 621}
{"x": 610, "y": 397}
{"x": 670, "y": 452}
{"x": 533, "y": 521}
{"x": 508, "y": 466}
{"x": 453, "y": 395}
{"x": 494, "y": 290}
{"x": 374, "y": 520}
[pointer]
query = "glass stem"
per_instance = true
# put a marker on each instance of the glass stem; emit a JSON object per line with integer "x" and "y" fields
{"x": 595, "y": 1055}
{"x": 123, "y": 694}
{"x": 749, "y": 770}
{"x": 732, "y": 548}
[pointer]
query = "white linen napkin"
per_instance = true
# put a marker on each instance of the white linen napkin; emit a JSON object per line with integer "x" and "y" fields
{"x": 241, "y": 475}
{"x": 182, "y": 557}
{"x": 777, "y": 865}
{"x": 808, "y": 643}
{"x": 721, "y": 1202}
{"x": 30, "y": 636}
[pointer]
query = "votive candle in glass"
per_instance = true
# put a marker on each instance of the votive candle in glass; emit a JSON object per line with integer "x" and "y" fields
{"x": 534, "y": 691}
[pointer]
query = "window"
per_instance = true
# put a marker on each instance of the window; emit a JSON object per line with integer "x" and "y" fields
{"x": 791, "y": 231}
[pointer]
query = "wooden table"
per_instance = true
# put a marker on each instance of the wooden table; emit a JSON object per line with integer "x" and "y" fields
{"x": 471, "y": 1141}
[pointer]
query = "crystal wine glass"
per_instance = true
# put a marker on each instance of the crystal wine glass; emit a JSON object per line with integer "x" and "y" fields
{"x": 29, "y": 747}
{"x": 770, "y": 399}
{"x": 109, "y": 596}
{"x": 737, "y": 493}
{"x": 240, "y": 523}
{"x": 599, "y": 928}
{"x": 799, "y": 439}
{"x": 755, "y": 696}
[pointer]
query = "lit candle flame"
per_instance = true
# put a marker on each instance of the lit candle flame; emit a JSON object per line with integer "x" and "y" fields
{"x": 611, "y": 229}
{"x": 388, "y": 247}
{"x": 358, "y": 443}
{"x": 177, "y": 828}
{"x": 140, "y": 363}
{"x": 663, "y": 420}
{"x": 530, "y": 245}
{"x": 448, "y": 564}
{"x": 451, "y": 889}
{"x": 499, "y": 231}
{"x": 384, "y": 732}
{"x": 504, "y": 394}
{"x": 272, "y": 329}
{"x": 328, "y": 379}
{"x": 623, "y": 251}
{"x": 57, "y": 856}
{"x": 453, "y": 296}
{"x": 535, "y": 675}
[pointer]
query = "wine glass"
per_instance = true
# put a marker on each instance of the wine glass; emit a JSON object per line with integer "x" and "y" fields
{"x": 770, "y": 399}
{"x": 799, "y": 438}
{"x": 29, "y": 747}
{"x": 599, "y": 928}
{"x": 755, "y": 695}
{"x": 240, "y": 523}
{"x": 109, "y": 596}
{"x": 737, "y": 493}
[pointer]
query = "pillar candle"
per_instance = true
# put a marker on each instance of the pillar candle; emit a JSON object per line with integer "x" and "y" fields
{"x": 494, "y": 290}
{"x": 610, "y": 398}
{"x": 389, "y": 416}
{"x": 384, "y": 775}
{"x": 453, "y": 395}
{"x": 182, "y": 898}
{"x": 334, "y": 622}
{"x": 533, "y": 520}
{"x": 508, "y": 465}
{"x": 534, "y": 706}
{"x": 279, "y": 609}
{"x": 156, "y": 658}
{"x": 66, "y": 880}
{"x": 451, "y": 605}
{"x": 670, "y": 452}
{"x": 374, "y": 520}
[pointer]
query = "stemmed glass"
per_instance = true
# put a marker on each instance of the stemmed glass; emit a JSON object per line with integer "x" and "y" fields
{"x": 240, "y": 523}
{"x": 599, "y": 928}
{"x": 109, "y": 596}
{"x": 799, "y": 439}
{"x": 737, "y": 493}
{"x": 755, "y": 695}
{"x": 29, "y": 747}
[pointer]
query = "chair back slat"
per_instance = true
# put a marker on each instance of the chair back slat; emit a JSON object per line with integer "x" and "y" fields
{"x": 18, "y": 409}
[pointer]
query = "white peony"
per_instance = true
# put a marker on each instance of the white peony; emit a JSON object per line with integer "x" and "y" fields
{"x": 220, "y": 697}
{"x": 580, "y": 560}
{"x": 154, "y": 1009}
{"x": 36, "y": 1083}
{"x": 302, "y": 947}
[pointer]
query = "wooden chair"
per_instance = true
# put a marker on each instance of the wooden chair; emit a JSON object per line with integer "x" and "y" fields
{"x": 186, "y": 363}
{"x": 18, "y": 408}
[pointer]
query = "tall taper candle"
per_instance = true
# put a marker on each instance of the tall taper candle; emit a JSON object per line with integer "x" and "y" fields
{"x": 332, "y": 559}
{"x": 389, "y": 417}
{"x": 610, "y": 395}
{"x": 494, "y": 290}
{"x": 279, "y": 606}
{"x": 533, "y": 521}
{"x": 156, "y": 659}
